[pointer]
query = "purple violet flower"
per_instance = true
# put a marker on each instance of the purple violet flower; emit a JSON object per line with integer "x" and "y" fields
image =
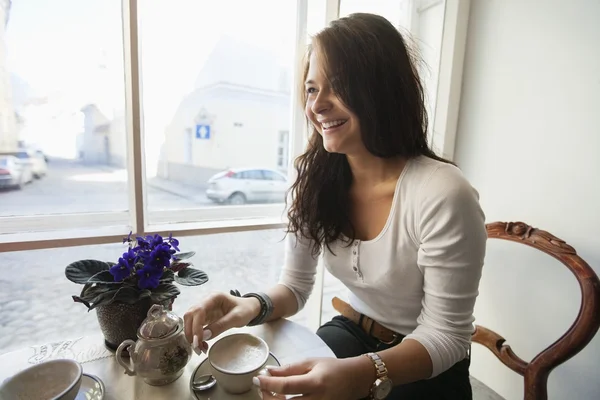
{"x": 149, "y": 277}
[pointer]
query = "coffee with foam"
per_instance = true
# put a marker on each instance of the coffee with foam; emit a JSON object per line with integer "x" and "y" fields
{"x": 238, "y": 354}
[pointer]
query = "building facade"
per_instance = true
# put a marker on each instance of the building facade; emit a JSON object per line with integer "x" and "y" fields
{"x": 103, "y": 140}
{"x": 8, "y": 126}
{"x": 226, "y": 126}
{"x": 237, "y": 116}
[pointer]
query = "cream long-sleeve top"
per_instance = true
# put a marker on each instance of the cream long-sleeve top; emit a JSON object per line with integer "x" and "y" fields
{"x": 420, "y": 276}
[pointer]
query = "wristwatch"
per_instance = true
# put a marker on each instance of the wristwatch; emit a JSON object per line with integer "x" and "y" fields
{"x": 383, "y": 385}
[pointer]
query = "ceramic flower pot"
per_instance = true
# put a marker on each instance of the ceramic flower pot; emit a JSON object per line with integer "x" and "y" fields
{"x": 120, "y": 321}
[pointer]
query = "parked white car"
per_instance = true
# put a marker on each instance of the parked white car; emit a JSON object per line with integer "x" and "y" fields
{"x": 14, "y": 173}
{"x": 247, "y": 185}
{"x": 35, "y": 159}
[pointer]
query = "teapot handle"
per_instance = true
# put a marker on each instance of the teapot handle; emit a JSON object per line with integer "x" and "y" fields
{"x": 129, "y": 365}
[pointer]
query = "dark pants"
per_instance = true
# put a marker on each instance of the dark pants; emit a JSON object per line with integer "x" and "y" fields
{"x": 346, "y": 339}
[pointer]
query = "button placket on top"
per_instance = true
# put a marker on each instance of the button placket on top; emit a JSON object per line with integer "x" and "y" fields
{"x": 355, "y": 255}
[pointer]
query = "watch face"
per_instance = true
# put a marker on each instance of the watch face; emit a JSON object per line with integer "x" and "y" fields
{"x": 383, "y": 388}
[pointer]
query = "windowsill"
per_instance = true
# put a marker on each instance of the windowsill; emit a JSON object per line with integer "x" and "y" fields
{"x": 114, "y": 234}
{"x": 22, "y": 225}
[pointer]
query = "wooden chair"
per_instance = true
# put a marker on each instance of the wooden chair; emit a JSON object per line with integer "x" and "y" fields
{"x": 580, "y": 333}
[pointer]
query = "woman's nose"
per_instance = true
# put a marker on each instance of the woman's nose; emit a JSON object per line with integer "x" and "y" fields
{"x": 321, "y": 104}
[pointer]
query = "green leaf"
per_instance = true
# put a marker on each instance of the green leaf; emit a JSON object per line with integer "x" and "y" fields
{"x": 191, "y": 277}
{"x": 103, "y": 298}
{"x": 184, "y": 256}
{"x": 164, "y": 292}
{"x": 128, "y": 295}
{"x": 104, "y": 277}
{"x": 81, "y": 271}
{"x": 91, "y": 290}
{"x": 168, "y": 276}
{"x": 86, "y": 287}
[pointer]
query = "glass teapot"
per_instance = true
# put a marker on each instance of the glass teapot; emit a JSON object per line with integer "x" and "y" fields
{"x": 161, "y": 352}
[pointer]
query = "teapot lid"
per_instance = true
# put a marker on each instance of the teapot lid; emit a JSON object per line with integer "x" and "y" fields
{"x": 160, "y": 323}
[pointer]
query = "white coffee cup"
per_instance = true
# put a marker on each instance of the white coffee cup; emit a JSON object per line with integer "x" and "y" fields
{"x": 237, "y": 358}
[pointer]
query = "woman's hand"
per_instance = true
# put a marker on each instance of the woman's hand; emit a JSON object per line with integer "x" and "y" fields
{"x": 320, "y": 379}
{"x": 216, "y": 314}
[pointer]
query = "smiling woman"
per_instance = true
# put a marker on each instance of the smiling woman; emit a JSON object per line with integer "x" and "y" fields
{"x": 359, "y": 108}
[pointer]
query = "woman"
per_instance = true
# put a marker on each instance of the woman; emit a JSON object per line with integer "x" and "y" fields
{"x": 399, "y": 226}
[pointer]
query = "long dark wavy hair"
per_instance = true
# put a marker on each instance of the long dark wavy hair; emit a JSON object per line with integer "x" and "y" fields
{"x": 373, "y": 72}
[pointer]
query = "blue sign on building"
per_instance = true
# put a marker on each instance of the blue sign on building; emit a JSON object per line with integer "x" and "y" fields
{"x": 202, "y": 131}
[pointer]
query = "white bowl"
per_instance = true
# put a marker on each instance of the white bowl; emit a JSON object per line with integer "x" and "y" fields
{"x": 50, "y": 380}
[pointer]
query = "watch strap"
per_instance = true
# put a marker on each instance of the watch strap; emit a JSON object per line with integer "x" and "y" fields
{"x": 380, "y": 368}
{"x": 266, "y": 306}
{"x": 381, "y": 372}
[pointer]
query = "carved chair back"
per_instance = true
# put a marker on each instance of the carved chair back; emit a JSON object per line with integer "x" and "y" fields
{"x": 580, "y": 333}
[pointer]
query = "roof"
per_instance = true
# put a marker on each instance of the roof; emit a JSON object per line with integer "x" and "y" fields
{"x": 237, "y": 62}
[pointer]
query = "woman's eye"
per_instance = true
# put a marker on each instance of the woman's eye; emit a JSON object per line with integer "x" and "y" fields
{"x": 311, "y": 90}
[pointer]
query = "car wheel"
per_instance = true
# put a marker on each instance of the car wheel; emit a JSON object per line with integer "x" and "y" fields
{"x": 237, "y": 199}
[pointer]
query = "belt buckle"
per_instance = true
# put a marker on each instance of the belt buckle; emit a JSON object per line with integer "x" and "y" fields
{"x": 394, "y": 338}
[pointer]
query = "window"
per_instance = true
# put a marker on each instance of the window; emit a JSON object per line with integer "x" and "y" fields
{"x": 283, "y": 150}
{"x": 77, "y": 111}
{"x": 69, "y": 109}
{"x": 189, "y": 146}
{"x": 226, "y": 77}
{"x": 273, "y": 176}
{"x": 393, "y": 10}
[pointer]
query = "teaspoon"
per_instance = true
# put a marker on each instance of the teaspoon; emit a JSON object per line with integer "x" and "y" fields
{"x": 203, "y": 382}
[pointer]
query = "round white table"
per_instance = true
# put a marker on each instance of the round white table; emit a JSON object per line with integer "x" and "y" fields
{"x": 287, "y": 340}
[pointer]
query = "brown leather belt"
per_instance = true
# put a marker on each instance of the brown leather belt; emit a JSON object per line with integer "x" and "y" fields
{"x": 369, "y": 325}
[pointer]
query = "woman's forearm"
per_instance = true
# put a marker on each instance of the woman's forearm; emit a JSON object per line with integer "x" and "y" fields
{"x": 407, "y": 362}
{"x": 284, "y": 302}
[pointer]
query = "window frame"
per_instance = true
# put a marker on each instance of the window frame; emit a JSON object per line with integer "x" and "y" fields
{"x": 451, "y": 67}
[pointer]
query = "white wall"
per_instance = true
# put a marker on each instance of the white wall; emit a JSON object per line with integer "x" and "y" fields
{"x": 245, "y": 129}
{"x": 252, "y": 143}
{"x": 528, "y": 139}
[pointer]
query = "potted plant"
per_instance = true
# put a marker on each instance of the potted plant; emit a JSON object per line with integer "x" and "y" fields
{"x": 123, "y": 292}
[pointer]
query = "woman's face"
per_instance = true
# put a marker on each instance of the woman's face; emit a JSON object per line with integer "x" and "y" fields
{"x": 338, "y": 126}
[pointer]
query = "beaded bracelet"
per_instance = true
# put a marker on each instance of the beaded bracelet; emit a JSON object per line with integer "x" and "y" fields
{"x": 266, "y": 306}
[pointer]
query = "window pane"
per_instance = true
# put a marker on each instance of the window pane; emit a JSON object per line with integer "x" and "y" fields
{"x": 225, "y": 101}
{"x": 268, "y": 175}
{"x": 316, "y": 17}
{"x": 256, "y": 174}
{"x": 62, "y": 107}
{"x": 392, "y": 10}
{"x": 332, "y": 287}
{"x": 35, "y": 283}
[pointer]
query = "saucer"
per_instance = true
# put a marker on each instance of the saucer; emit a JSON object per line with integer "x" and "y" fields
{"x": 91, "y": 388}
{"x": 217, "y": 393}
